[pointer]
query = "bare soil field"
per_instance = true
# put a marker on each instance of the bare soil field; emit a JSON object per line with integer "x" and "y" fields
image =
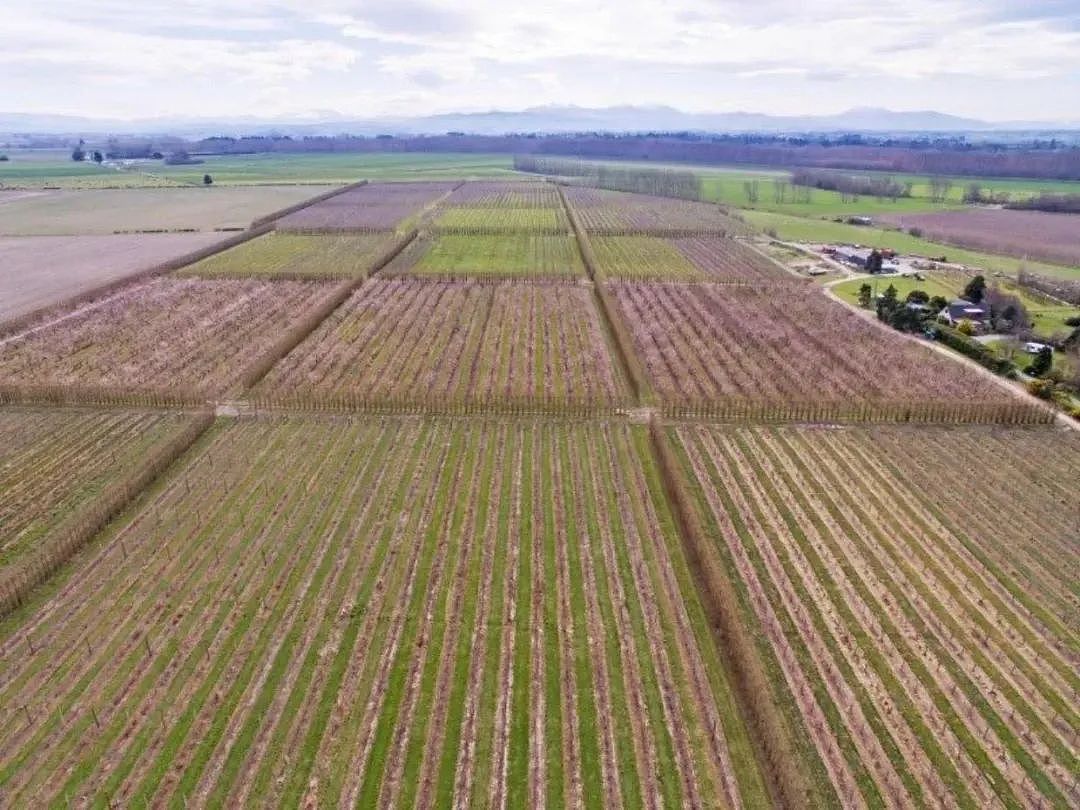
{"x": 9, "y": 196}
{"x": 37, "y": 271}
{"x": 381, "y": 613}
{"x": 1036, "y": 234}
{"x": 917, "y": 613}
{"x": 147, "y": 209}
{"x": 192, "y": 336}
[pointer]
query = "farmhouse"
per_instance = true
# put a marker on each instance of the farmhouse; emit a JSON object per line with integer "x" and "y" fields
{"x": 964, "y": 310}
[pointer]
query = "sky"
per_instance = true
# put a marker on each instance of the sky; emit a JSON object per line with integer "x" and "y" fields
{"x": 997, "y": 60}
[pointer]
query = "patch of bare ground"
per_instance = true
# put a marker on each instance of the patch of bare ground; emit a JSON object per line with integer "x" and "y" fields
{"x": 37, "y": 271}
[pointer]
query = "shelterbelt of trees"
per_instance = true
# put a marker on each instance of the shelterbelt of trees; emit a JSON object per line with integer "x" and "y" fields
{"x": 954, "y": 155}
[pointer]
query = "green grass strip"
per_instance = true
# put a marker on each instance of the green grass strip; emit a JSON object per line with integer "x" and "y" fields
{"x": 298, "y": 773}
{"x": 941, "y": 760}
{"x": 418, "y": 740}
{"x": 781, "y": 694}
{"x": 747, "y": 773}
{"x": 517, "y": 778}
{"x": 510, "y": 439}
{"x": 347, "y": 504}
{"x": 375, "y": 767}
{"x": 307, "y": 677}
{"x": 667, "y": 767}
{"x": 444, "y": 783}
{"x": 553, "y": 715}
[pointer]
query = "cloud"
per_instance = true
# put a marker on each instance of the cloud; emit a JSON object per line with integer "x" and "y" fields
{"x": 479, "y": 54}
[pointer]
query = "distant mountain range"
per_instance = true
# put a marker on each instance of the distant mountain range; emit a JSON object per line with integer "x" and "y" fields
{"x": 548, "y": 119}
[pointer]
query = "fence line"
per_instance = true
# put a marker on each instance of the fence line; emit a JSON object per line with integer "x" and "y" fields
{"x": 17, "y": 583}
{"x": 996, "y": 413}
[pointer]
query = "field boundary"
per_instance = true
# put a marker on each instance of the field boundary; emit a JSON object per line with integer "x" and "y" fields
{"x": 621, "y": 341}
{"x": 918, "y": 412}
{"x": 770, "y": 736}
{"x": 661, "y": 233}
{"x": 311, "y": 321}
{"x": 17, "y": 585}
{"x": 359, "y": 404}
{"x": 92, "y": 395}
{"x": 318, "y": 198}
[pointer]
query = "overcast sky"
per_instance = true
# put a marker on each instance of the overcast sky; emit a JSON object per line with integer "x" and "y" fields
{"x": 992, "y": 59}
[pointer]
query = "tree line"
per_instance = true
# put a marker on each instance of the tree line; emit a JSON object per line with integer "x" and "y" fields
{"x": 941, "y": 158}
{"x": 852, "y": 186}
{"x": 658, "y": 182}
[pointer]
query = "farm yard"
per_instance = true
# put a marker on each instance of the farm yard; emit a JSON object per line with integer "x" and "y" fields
{"x": 298, "y": 256}
{"x": 927, "y": 659}
{"x": 501, "y": 493}
{"x": 409, "y": 342}
{"x": 39, "y": 271}
{"x": 183, "y": 337}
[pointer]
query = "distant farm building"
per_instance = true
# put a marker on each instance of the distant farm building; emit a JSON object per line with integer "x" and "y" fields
{"x": 853, "y": 255}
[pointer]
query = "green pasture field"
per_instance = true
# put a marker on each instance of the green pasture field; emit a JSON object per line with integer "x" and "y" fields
{"x": 144, "y": 209}
{"x": 932, "y": 286}
{"x": 35, "y": 169}
{"x": 517, "y": 255}
{"x": 54, "y": 168}
{"x": 725, "y": 184}
{"x": 295, "y": 255}
{"x": 804, "y": 229}
{"x": 336, "y": 168}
